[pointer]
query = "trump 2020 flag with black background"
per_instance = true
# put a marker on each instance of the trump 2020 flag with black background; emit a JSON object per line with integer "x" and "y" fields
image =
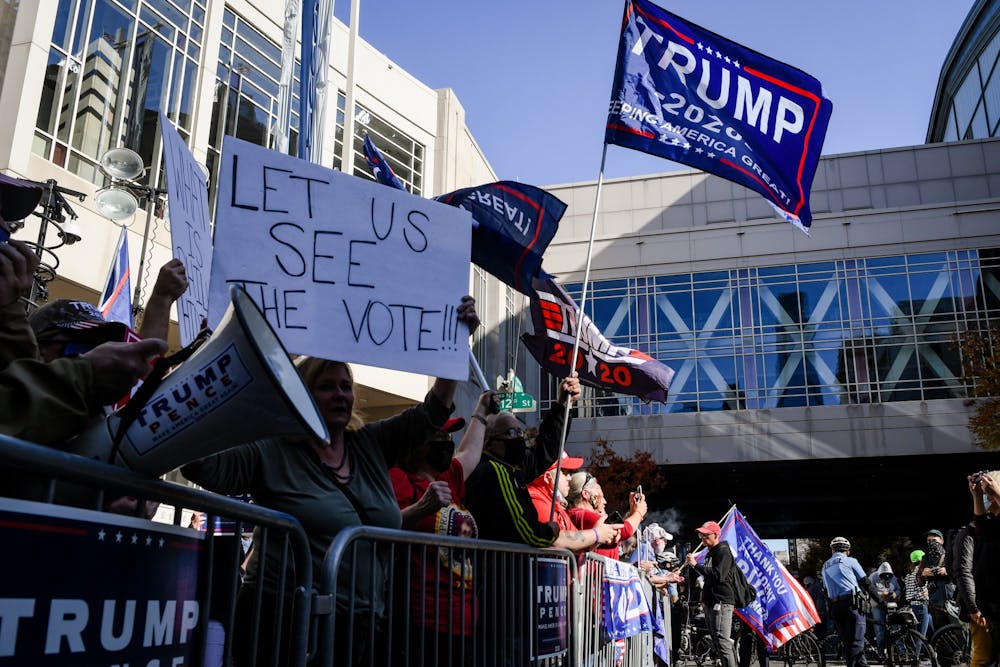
{"x": 783, "y": 607}
{"x": 116, "y": 300}
{"x": 380, "y": 168}
{"x": 600, "y": 363}
{"x": 689, "y": 95}
{"x": 514, "y": 224}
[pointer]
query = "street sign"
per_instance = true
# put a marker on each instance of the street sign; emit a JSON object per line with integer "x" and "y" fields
{"x": 516, "y": 402}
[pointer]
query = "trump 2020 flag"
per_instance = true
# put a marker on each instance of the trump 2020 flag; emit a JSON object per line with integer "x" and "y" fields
{"x": 514, "y": 224}
{"x": 686, "y": 94}
{"x": 783, "y": 607}
{"x": 626, "y": 610}
{"x": 380, "y": 168}
{"x": 600, "y": 363}
{"x": 116, "y": 300}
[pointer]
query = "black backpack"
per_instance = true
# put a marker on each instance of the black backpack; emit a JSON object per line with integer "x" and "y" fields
{"x": 745, "y": 593}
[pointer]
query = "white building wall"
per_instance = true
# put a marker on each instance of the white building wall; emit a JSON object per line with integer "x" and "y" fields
{"x": 434, "y": 118}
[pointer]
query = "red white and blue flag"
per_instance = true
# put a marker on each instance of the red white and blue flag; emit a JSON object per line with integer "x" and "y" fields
{"x": 689, "y": 95}
{"x": 783, "y": 607}
{"x": 116, "y": 300}
{"x": 380, "y": 167}
{"x": 599, "y": 362}
{"x": 626, "y": 609}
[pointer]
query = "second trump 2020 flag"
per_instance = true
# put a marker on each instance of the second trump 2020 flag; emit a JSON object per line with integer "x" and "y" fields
{"x": 686, "y": 94}
{"x": 600, "y": 363}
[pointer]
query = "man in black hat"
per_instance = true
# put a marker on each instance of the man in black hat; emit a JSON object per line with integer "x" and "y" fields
{"x": 933, "y": 571}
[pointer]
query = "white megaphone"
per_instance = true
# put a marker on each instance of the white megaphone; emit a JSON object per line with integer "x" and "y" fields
{"x": 237, "y": 387}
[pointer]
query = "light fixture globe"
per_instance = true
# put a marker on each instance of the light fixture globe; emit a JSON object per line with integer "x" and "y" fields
{"x": 123, "y": 163}
{"x": 115, "y": 203}
{"x": 70, "y": 232}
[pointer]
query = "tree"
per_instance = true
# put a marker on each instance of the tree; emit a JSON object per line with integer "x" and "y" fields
{"x": 619, "y": 476}
{"x": 981, "y": 371}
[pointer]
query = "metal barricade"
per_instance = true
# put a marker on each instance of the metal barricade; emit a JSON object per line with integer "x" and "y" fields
{"x": 109, "y": 627}
{"x": 391, "y": 597}
{"x": 594, "y": 646}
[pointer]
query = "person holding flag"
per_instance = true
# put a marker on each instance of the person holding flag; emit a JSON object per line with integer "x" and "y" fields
{"x": 718, "y": 595}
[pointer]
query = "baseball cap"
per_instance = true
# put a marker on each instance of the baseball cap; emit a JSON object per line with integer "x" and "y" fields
{"x": 916, "y": 555}
{"x": 77, "y": 320}
{"x": 444, "y": 431}
{"x": 935, "y": 533}
{"x": 18, "y": 198}
{"x": 568, "y": 463}
{"x": 709, "y": 527}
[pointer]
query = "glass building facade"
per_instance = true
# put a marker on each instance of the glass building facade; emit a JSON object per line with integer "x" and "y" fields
{"x": 870, "y": 330}
{"x": 112, "y": 66}
{"x": 967, "y": 102}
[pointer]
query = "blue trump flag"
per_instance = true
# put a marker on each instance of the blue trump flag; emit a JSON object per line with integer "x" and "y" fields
{"x": 783, "y": 607}
{"x": 689, "y": 95}
{"x": 514, "y": 224}
{"x": 116, "y": 299}
{"x": 380, "y": 168}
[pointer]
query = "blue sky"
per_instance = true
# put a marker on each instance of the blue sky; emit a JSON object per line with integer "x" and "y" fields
{"x": 534, "y": 76}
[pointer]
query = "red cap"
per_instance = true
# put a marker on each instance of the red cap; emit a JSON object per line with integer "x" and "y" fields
{"x": 568, "y": 463}
{"x": 452, "y": 425}
{"x": 710, "y": 527}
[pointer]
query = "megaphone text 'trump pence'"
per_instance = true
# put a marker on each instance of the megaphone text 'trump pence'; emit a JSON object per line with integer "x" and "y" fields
{"x": 200, "y": 392}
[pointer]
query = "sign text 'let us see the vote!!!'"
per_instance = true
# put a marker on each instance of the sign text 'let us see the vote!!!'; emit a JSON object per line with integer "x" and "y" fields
{"x": 341, "y": 267}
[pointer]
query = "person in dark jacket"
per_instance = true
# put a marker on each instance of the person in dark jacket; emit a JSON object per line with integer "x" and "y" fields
{"x": 985, "y": 490}
{"x": 718, "y": 594}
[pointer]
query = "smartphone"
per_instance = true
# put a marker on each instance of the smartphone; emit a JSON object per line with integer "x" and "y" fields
{"x": 615, "y": 517}
{"x": 638, "y": 489}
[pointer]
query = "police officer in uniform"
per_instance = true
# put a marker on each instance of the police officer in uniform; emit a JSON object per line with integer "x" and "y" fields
{"x": 845, "y": 582}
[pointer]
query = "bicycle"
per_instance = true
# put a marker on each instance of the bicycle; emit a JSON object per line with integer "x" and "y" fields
{"x": 695, "y": 644}
{"x": 904, "y": 645}
{"x": 953, "y": 645}
{"x": 802, "y": 650}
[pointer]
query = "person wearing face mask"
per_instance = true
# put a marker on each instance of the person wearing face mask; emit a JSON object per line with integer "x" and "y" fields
{"x": 497, "y": 491}
{"x": 429, "y": 484}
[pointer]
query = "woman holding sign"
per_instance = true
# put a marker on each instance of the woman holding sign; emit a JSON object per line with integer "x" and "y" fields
{"x": 327, "y": 488}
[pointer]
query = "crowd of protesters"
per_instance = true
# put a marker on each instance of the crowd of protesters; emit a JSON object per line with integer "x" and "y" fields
{"x": 61, "y": 366}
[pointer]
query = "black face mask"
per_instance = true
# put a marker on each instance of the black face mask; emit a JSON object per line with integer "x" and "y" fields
{"x": 440, "y": 453}
{"x": 514, "y": 450}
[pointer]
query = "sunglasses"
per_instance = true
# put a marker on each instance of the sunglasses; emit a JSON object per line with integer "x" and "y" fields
{"x": 510, "y": 434}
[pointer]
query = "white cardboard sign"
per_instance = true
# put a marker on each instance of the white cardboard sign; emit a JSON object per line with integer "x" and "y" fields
{"x": 342, "y": 268}
{"x": 190, "y": 235}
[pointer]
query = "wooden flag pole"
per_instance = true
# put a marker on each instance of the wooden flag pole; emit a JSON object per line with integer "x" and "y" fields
{"x": 579, "y": 329}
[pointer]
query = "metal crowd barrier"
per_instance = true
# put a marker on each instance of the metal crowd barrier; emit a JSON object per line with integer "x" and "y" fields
{"x": 405, "y": 598}
{"x": 385, "y": 597}
{"x": 72, "y": 578}
{"x": 594, "y": 645}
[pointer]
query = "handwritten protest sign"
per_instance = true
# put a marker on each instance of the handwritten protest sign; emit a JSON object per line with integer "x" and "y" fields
{"x": 342, "y": 268}
{"x": 190, "y": 236}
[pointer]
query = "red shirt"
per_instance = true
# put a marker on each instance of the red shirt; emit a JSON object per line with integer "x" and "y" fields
{"x": 587, "y": 518}
{"x": 447, "y": 578}
{"x": 542, "y": 499}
